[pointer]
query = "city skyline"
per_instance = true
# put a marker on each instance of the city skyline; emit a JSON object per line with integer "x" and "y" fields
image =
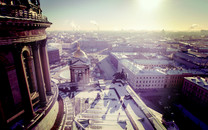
{"x": 185, "y": 15}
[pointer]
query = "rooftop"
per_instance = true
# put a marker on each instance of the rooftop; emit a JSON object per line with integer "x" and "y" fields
{"x": 153, "y": 62}
{"x": 137, "y": 66}
{"x": 108, "y": 108}
{"x": 202, "y": 82}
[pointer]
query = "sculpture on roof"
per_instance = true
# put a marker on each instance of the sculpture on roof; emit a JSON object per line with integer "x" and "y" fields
{"x": 120, "y": 77}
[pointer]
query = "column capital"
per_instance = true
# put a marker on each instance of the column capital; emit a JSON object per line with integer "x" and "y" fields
{"x": 35, "y": 46}
{"x": 43, "y": 43}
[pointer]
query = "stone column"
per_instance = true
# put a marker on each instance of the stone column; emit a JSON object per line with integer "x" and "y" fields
{"x": 39, "y": 74}
{"x": 32, "y": 73}
{"x": 73, "y": 75}
{"x": 88, "y": 75}
{"x": 45, "y": 67}
{"x": 22, "y": 81}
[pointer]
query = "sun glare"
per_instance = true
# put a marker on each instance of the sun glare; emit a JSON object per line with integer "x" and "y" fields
{"x": 149, "y": 5}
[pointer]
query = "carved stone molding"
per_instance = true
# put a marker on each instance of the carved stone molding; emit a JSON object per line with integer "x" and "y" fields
{"x": 43, "y": 43}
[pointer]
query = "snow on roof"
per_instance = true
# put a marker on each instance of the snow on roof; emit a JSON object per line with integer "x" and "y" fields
{"x": 112, "y": 110}
{"x": 181, "y": 71}
{"x": 202, "y": 82}
{"x": 140, "y": 69}
{"x": 50, "y": 48}
{"x": 153, "y": 62}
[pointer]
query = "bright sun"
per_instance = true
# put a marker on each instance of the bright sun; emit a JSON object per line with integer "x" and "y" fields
{"x": 149, "y": 5}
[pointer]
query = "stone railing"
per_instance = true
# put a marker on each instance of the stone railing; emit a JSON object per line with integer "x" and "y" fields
{"x": 21, "y": 13}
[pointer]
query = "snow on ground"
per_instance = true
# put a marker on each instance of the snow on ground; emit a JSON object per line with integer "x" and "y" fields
{"x": 55, "y": 80}
{"x": 106, "y": 112}
{"x": 65, "y": 74}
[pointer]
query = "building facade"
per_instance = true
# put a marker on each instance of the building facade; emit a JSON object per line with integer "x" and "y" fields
{"x": 141, "y": 76}
{"x": 192, "y": 59}
{"x": 196, "y": 89}
{"x": 79, "y": 67}
{"x": 53, "y": 55}
{"x": 24, "y": 67}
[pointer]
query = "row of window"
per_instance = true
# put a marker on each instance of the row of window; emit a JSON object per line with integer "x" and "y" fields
{"x": 157, "y": 81}
{"x": 148, "y": 85}
{"x": 199, "y": 96}
{"x": 173, "y": 77}
{"x": 151, "y": 81}
{"x": 151, "y": 77}
{"x": 191, "y": 88}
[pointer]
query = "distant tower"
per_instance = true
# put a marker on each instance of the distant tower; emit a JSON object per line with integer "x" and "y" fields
{"x": 79, "y": 67}
{"x": 24, "y": 69}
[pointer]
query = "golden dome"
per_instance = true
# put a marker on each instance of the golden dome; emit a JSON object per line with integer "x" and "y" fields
{"x": 79, "y": 53}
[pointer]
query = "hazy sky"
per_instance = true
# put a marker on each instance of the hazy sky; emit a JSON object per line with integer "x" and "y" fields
{"x": 126, "y": 14}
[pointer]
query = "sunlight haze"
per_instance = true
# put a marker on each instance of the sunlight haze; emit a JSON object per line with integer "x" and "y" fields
{"x": 188, "y": 15}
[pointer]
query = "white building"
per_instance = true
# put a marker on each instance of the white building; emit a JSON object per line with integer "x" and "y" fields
{"x": 153, "y": 62}
{"x": 143, "y": 77}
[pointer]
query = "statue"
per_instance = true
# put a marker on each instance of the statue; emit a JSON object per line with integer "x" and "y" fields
{"x": 120, "y": 77}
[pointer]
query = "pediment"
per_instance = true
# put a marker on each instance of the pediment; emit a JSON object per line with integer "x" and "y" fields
{"x": 78, "y": 62}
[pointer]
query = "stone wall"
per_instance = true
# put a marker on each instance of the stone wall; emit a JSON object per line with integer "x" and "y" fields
{"x": 48, "y": 121}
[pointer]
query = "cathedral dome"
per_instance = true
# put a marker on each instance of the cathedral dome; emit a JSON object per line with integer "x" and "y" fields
{"x": 80, "y": 54}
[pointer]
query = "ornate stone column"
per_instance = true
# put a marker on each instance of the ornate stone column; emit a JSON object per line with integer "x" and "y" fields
{"x": 32, "y": 73}
{"x": 23, "y": 84}
{"x": 45, "y": 67}
{"x": 88, "y": 75}
{"x": 39, "y": 74}
{"x": 72, "y": 75}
